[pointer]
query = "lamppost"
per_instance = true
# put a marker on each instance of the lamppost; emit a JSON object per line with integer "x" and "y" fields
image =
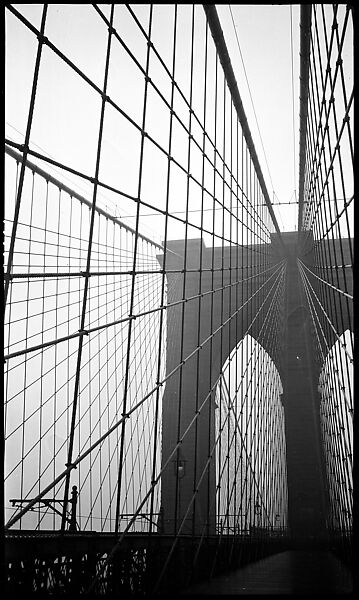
{"x": 73, "y": 501}
{"x": 179, "y": 471}
{"x": 258, "y": 512}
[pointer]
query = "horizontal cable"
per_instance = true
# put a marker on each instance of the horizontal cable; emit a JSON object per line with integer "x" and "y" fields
{"x": 61, "y": 186}
{"x": 151, "y": 206}
{"x": 157, "y": 479}
{"x": 79, "y": 459}
{"x": 89, "y": 330}
{"x": 55, "y": 275}
{"x": 108, "y": 99}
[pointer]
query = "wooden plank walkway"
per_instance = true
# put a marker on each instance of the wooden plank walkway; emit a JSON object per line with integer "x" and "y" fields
{"x": 292, "y": 572}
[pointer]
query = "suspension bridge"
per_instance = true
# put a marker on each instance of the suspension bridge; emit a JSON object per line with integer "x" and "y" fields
{"x": 178, "y": 400}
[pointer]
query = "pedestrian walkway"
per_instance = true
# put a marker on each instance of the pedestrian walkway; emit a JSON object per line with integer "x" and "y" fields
{"x": 294, "y": 572}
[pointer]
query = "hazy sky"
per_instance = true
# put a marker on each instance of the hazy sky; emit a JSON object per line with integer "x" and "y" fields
{"x": 65, "y": 126}
{"x": 264, "y": 34}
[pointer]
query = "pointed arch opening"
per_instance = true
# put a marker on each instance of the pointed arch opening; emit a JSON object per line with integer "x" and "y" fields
{"x": 336, "y": 417}
{"x": 251, "y": 472}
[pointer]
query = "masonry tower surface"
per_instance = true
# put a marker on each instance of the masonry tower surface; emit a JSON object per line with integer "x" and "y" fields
{"x": 298, "y": 366}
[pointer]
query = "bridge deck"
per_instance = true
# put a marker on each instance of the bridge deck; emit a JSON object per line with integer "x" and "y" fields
{"x": 293, "y": 572}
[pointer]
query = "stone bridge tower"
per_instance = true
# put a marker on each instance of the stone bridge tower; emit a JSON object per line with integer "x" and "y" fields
{"x": 297, "y": 363}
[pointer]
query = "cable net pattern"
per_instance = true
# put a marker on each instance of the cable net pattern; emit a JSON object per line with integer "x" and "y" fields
{"x": 145, "y": 293}
{"x": 326, "y": 214}
{"x": 42, "y": 331}
{"x": 257, "y": 462}
{"x": 93, "y": 199}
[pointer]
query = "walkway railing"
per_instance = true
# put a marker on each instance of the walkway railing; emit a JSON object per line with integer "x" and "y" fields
{"x": 105, "y": 321}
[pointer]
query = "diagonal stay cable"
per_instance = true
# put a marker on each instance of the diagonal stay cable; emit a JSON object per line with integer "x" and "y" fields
{"x": 79, "y": 459}
{"x": 326, "y": 315}
{"x": 176, "y": 447}
{"x": 85, "y": 297}
{"x": 326, "y": 282}
{"x": 59, "y": 184}
{"x": 311, "y": 306}
{"x": 217, "y": 34}
{"x": 136, "y": 316}
{"x": 25, "y": 148}
{"x": 204, "y": 470}
{"x": 250, "y": 94}
{"x": 267, "y": 321}
{"x": 160, "y": 211}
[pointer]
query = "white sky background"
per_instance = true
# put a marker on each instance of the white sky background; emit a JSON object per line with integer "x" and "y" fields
{"x": 66, "y": 116}
{"x": 62, "y": 127}
{"x": 264, "y": 37}
{"x": 252, "y": 395}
